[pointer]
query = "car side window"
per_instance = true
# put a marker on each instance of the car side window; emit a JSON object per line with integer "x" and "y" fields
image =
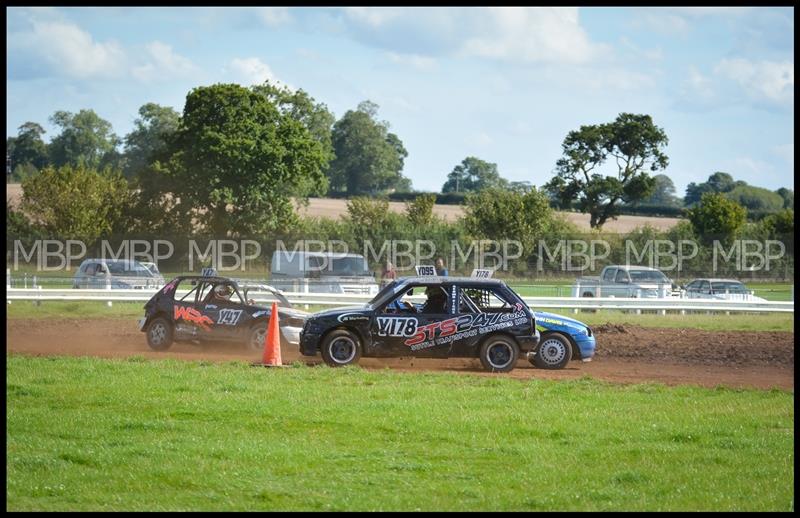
{"x": 89, "y": 269}
{"x": 486, "y": 300}
{"x": 705, "y": 287}
{"x": 622, "y": 276}
{"x": 609, "y": 276}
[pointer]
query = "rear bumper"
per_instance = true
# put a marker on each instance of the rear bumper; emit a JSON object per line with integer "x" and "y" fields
{"x": 529, "y": 343}
{"x": 291, "y": 334}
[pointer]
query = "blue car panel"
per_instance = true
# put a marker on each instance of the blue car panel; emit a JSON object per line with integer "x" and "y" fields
{"x": 580, "y": 334}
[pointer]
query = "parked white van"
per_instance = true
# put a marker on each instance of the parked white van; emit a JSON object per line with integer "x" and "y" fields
{"x": 322, "y": 272}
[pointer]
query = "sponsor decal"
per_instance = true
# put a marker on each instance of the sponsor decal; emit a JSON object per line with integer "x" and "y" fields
{"x": 229, "y": 317}
{"x": 388, "y": 326}
{"x": 481, "y": 274}
{"x": 192, "y": 315}
{"x": 447, "y": 331}
{"x": 353, "y": 317}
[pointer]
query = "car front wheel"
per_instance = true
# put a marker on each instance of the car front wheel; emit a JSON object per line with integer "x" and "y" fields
{"x": 499, "y": 354}
{"x": 555, "y": 352}
{"x": 340, "y": 348}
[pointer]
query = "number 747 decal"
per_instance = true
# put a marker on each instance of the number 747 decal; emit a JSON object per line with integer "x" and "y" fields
{"x": 229, "y": 317}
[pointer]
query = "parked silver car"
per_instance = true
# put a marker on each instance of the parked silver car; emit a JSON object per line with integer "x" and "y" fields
{"x": 723, "y": 289}
{"x": 118, "y": 274}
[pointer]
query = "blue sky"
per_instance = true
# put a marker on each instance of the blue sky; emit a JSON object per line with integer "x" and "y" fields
{"x": 504, "y": 84}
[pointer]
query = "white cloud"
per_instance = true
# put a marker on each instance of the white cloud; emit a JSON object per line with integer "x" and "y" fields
{"x": 274, "y": 16}
{"x": 697, "y": 88}
{"x": 164, "y": 63}
{"x": 253, "y": 71}
{"x": 68, "y": 50}
{"x": 373, "y": 16}
{"x": 532, "y": 35}
{"x": 662, "y": 22}
{"x": 413, "y": 60}
{"x": 522, "y": 34}
{"x": 762, "y": 81}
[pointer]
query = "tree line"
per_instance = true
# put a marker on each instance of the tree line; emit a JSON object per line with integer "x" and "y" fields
{"x": 232, "y": 162}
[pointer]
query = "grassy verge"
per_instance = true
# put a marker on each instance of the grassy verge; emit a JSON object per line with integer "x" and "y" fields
{"x": 714, "y": 322}
{"x": 91, "y": 434}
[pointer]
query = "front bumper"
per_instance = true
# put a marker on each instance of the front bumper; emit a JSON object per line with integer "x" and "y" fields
{"x": 309, "y": 343}
{"x": 586, "y": 346}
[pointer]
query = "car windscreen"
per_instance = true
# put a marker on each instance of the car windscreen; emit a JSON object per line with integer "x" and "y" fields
{"x": 128, "y": 269}
{"x": 387, "y": 293}
{"x": 729, "y": 287}
{"x": 647, "y": 276}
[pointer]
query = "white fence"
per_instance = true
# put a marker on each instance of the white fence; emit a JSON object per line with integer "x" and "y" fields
{"x": 340, "y": 299}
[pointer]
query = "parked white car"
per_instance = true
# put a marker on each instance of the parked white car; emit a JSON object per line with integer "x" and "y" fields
{"x": 720, "y": 289}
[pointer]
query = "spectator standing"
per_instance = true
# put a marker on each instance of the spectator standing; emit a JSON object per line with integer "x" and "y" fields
{"x": 389, "y": 274}
{"x": 440, "y": 268}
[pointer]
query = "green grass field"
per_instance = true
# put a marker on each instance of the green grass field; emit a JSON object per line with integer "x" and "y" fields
{"x": 92, "y": 434}
{"x": 713, "y": 322}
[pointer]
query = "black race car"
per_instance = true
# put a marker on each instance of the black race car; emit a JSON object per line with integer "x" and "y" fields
{"x": 461, "y": 317}
{"x": 198, "y": 308}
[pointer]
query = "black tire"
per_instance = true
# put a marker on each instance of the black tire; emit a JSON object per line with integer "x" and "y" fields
{"x": 499, "y": 353}
{"x": 554, "y": 352}
{"x": 257, "y": 336}
{"x": 340, "y": 347}
{"x": 160, "y": 334}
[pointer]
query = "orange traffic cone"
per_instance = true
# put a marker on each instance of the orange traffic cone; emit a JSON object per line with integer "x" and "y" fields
{"x": 272, "y": 340}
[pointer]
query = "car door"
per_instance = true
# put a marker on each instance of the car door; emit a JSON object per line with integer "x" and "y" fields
{"x": 189, "y": 314}
{"x": 401, "y": 331}
{"x": 230, "y": 316}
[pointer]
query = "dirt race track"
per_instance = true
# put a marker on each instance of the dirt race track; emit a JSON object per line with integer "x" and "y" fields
{"x": 624, "y": 354}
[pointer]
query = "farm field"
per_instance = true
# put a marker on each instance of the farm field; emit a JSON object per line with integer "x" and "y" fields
{"x": 92, "y": 434}
{"x": 334, "y": 208}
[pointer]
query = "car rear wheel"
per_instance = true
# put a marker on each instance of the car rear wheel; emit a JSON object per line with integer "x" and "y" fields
{"x": 159, "y": 334}
{"x": 341, "y": 347}
{"x": 555, "y": 352}
{"x": 499, "y": 354}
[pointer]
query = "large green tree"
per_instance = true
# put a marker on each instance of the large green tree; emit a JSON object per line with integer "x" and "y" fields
{"x": 499, "y": 214}
{"x": 663, "y": 192}
{"x": 303, "y": 108}
{"x": 756, "y": 198}
{"x": 472, "y": 175}
{"x": 85, "y": 139}
{"x": 28, "y": 148}
{"x": 634, "y": 144}
{"x": 717, "y": 217}
{"x": 76, "y": 202}
{"x": 717, "y": 182}
{"x": 236, "y": 160}
{"x": 788, "y": 197}
{"x": 152, "y": 130}
{"x": 369, "y": 159}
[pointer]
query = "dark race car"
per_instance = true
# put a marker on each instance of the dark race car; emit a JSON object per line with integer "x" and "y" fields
{"x": 201, "y": 308}
{"x": 461, "y": 317}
